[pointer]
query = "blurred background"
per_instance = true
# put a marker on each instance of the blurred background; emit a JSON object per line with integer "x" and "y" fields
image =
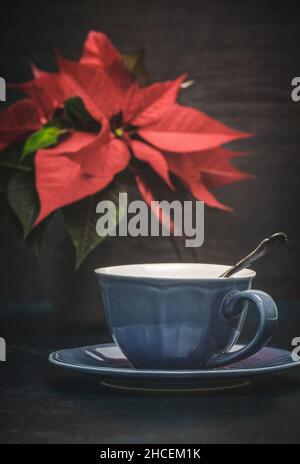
{"x": 242, "y": 57}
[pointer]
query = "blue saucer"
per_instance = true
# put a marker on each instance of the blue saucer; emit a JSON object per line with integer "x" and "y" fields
{"x": 110, "y": 364}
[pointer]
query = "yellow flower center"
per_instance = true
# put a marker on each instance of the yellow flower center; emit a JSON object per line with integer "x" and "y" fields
{"x": 119, "y": 132}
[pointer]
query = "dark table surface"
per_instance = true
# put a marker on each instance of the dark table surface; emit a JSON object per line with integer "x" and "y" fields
{"x": 43, "y": 404}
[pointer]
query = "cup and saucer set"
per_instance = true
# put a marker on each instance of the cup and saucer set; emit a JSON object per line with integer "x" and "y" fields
{"x": 176, "y": 327}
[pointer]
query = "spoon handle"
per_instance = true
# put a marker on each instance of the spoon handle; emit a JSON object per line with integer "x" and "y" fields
{"x": 265, "y": 247}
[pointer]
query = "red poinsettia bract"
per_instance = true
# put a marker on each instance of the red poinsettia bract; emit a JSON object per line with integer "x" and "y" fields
{"x": 144, "y": 123}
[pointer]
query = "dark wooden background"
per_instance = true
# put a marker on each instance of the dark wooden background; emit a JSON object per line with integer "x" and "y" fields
{"x": 242, "y": 57}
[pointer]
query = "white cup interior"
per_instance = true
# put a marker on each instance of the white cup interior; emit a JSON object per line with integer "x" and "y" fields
{"x": 173, "y": 271}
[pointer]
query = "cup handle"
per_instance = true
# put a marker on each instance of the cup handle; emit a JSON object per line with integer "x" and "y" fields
{"x": 268, "y": 318}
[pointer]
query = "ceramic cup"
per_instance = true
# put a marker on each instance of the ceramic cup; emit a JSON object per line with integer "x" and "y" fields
{"x": 182, "y": 316}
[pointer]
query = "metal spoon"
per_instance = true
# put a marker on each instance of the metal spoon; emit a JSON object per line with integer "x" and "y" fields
{"x": 267, "y": 245}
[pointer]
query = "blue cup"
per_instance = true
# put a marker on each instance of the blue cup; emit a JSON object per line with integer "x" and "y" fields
{"x": 182, "y": 316}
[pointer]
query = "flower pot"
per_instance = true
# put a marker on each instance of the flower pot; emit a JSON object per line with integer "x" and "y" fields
{"x": 76, "y": 295}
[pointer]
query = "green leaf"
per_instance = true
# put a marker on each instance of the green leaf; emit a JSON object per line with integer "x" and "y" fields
{"x": 10, "y": 157}
{"x": 78, "y": 116}
{"x": 81, "y": 219}
{"x": 135, "y": 64}
{"x": 45, "y": 137}
{"x": 23, "y": 199}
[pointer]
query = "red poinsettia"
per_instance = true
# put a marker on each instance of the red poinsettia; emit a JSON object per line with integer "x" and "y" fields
{"x": 133, "y": 122}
